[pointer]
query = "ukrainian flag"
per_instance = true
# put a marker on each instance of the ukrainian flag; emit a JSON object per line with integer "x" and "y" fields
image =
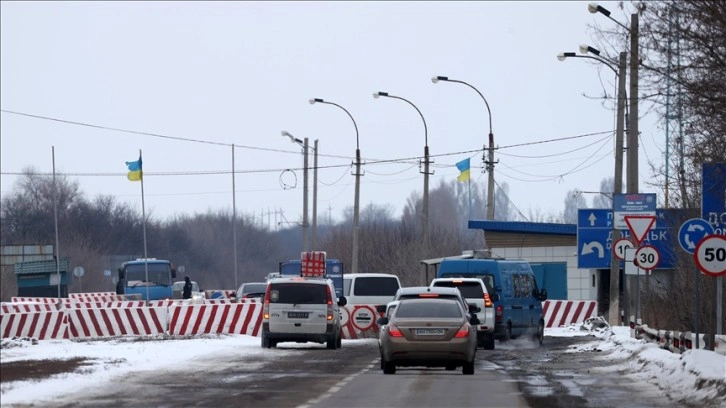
{"x": 463, "y": 167}
{"x": 135, "y": 172}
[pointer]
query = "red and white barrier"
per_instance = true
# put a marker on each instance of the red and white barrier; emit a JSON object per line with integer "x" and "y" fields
{"x": 87, "y": 294}
{"x": 100, "y": 305}
{"x": 18, "y": 299}
{"x": 559, "y": 313}
{"x": 359, "y": 321}
{"x": 139, "y": 321}
{"x": 96, "y": 297}
{"x": 40, "y": 325}
{"x": 8, "y": 307}
{"x": 234, "y": 318}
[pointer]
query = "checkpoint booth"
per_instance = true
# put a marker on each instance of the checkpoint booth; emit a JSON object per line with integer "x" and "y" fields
{"x": 40, "y": 278}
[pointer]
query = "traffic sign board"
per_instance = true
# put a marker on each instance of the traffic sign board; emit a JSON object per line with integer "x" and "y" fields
{"x": 692, "y": 231}
{"x": 632, "y": 204}
{"x": 711, "y": 255}
{"x": 713, "y": 196}
{"x": 620, "y": 246}
{"x": 639, "y": 225}
{"x": 647, "y": 257}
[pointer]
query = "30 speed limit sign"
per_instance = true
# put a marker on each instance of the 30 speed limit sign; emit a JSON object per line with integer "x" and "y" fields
{"x": 647, "y": 257}
{"x": 710, "y": 255}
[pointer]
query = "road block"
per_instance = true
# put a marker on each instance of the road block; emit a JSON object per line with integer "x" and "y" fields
{"x": 111, "y": 322}
{"x": 558, "y": 313}
{"x": 228, "y": 318}
{"x": 41, "y": 325}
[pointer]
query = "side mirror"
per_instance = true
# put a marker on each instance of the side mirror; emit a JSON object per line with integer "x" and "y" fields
{"x": 474, "y": 320}
{"x": 342, "y": 301}
{"x": 473, "y": 308}
{"x": 494, "y": 297}
{"x": 543, "y": 295}
{"x": 121, "y": 273}
{"x": 381, "y": 308}
{"x": 173, "y": 273}
{"x": 382, "y": 321}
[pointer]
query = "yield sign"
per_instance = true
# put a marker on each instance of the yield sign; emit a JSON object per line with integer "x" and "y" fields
{"x": 639, "y": 225}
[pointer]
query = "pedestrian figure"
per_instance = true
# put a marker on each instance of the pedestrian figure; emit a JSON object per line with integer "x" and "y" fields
{"x": 187, "y": 292}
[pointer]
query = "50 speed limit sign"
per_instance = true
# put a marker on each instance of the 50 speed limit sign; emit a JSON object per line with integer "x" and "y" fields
{"x": 647, "y": 257}
{"x": 710, "y": 255}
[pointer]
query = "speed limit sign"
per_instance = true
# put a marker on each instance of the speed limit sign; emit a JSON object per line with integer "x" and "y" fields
{"x": 620, "y": 246}
{"x": 647, "y": 257}
{"x": 710, "y": 255}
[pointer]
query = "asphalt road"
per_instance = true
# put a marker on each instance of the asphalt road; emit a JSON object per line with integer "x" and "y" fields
{"x": 515, "y": 374}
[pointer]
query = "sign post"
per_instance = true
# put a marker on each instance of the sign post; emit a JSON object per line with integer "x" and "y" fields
{"x": 713, "y": 210}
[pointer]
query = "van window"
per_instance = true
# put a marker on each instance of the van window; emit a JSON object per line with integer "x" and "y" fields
{"x": 467, "y": 289}
{"x": 375, "y": 286}
{"x": 487, "y": 278}
{"x": 298, "y": 293}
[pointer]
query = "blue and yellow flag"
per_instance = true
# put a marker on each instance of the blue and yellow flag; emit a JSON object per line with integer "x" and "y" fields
{"x": 135, "y": 172}
{"x": 463, "y": 167}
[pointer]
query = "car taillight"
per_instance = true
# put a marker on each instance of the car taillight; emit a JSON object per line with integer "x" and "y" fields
{"x": 266, "y": 304}
{"x": 487, "y": 300}
{"x": 463, "y": 331}
{"x": 499, "y": 312}
{"x": 393, "y": 331}
{"x": 330, "y": 296}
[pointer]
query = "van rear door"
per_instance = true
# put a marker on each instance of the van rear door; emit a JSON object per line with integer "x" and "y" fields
{"x": 298, "y": 307}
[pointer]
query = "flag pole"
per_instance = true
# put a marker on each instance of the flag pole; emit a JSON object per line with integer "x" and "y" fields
{"x": 55, "y": 221}
{"x": 468, "y": 182}
{"x": 143, "y": 217}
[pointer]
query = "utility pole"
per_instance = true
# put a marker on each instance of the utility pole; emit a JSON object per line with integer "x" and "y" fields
{"x": 315, "y": 196}
{"x": 614, "y": 312}
{"x": 490, "y": 182}
{"x": 632, "y": 174}
{"x": 305, "y": 195}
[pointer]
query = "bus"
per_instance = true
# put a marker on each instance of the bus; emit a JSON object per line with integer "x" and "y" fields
{"x": 150, "y": 278}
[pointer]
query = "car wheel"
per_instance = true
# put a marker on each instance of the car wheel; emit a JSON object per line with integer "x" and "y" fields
{"x": 507, "y": 332}
{"x": 332, "y": 342}
{"x": 339, "y": 342}
{"x": 265, "y": 340}
{"x": 389, "y": 367}
{"x": 468, "y": 368}
{"x": 539, "y": 335}
{"x": 489, "y": 342}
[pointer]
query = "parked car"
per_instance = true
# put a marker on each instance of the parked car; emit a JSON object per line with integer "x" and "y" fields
{"x": 370, "y": 288}
{"x": 178, "y": 287}
{"x": 474, "y": 291}
{"x": 251, "y": 290}
{"x": 428, "y": 332}
{"x": 518, "y": 307}
{"x": 301, "y": 309}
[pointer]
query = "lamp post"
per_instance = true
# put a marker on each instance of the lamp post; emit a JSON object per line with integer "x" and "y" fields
{"x": 490, "y": 162}
{"x": 614, "y": 311}
{"x": 425, "y": 210}
{"x": 304, "y": 145}
{"x": 357, "y": 174}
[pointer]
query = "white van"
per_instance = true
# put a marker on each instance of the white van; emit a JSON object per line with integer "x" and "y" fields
{"x": 370, "y": 288}
{"x": 301, "y": 309}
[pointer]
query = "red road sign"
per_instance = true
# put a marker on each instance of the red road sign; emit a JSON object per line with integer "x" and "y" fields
{"x": 647, "y": 257}
{"x": 710, "y": 255}
{"x": 639, "y": 225}
{"x": 620, "y": 246}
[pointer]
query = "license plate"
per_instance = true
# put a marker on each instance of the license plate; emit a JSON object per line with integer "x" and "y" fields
{"x": 297, "y": 315}
{"x": 429, "y": 332}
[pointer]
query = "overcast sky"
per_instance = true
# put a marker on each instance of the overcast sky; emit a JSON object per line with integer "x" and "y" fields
{"x": 238, "y": 73}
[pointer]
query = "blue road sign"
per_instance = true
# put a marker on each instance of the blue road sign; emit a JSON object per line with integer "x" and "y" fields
{"x": 594, "y": 231}
{"x": 692, "y": 232}
{"x": 713, "y": 201}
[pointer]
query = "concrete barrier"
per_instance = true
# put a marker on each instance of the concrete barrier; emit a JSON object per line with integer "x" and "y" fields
{"x": 558, "y": 313}
{"x": 111, "y": 322}
{"x": 40, "y": 325}
{"x": 9, "y": 307}
{"x": 229, "y": 318}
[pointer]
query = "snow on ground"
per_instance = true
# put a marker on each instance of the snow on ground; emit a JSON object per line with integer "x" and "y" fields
{"x": 699, "y": 373}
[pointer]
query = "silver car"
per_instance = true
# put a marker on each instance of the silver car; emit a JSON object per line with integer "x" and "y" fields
{"x": 427, "y": 332}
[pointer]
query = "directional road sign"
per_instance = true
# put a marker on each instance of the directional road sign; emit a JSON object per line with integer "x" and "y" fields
{"x": 647, "y": 257}
{"x": 711, "y": 255}
{"x": 692, "y": 231}
{"x": 595, "y": 230}
{"x": 713, "y": 197}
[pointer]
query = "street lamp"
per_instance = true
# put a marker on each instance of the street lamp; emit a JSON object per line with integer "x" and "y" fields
{"x": 425, "y": 211}
{"x": 614, "y": 311}
{"x": 490, "y": 162}
{"x": 357, "y": 174}
{"x": 304, "y": 145}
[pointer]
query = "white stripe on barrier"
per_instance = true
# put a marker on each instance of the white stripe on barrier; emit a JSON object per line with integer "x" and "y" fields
{"x": 110, "y": 322}
{"x": 9, "y": 307}
{"x": 235, "y": 318}
{"x": 559, "y": 313}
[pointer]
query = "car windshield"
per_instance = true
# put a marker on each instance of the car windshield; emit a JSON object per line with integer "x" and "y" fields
{"x": 428, "y": 309}
{"x": 298, "y": 293}
{"x": 157, "y": 272}
{"x": 468, "y": 289}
